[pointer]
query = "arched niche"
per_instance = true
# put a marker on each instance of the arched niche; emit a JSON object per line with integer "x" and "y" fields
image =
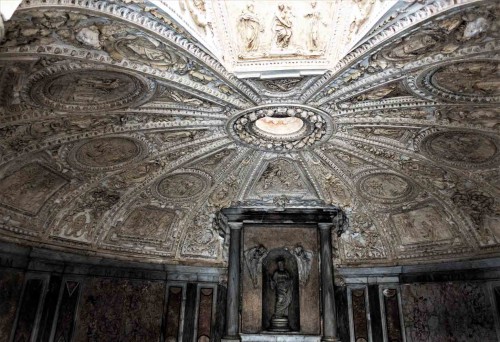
{"x": 269, "y": 266}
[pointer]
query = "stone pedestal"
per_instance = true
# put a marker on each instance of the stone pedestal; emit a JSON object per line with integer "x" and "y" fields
{"x": 280, "y": 324}
{"x": 265, "y": 337}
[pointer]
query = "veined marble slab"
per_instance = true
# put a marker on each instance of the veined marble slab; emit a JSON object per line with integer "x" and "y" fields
{"x": 279, "y": 338}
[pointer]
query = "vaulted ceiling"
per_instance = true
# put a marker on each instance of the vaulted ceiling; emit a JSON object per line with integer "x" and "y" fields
{"x": 124, "y": 127}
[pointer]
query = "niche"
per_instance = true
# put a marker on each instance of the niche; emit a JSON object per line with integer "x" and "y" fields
{"x": 270, "y": 273}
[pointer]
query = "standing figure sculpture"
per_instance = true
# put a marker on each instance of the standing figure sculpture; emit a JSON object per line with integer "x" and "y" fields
{"x": 250, "y": 28}
{"x": 282, "y": 26}
{"x": 314, "y": 16}
{"x": 281, "y": 283}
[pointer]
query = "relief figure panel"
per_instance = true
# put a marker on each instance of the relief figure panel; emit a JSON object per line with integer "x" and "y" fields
{"x": 421, "y": 225}
{"x": 29, "y": 188}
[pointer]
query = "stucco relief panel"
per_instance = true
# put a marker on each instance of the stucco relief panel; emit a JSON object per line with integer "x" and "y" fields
{"x": 462, "y": 149}
{"x": 423, "y": 225}
{"x": 464, "y": 81}
{"x": 86, "y": 88}
{"x": 185, "y": 185}
{"x": 145, "y": 224}
{"x": 107, "y": 153}
{"x": 29, "y": 188}
{"x": 385, "y": 187}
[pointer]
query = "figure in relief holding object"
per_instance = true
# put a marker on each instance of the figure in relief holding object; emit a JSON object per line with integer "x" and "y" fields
{"x": 282, "y": 26}
{"x": 250, "y": 28}
{"x": 281, "y": 283}
{"x": 314, "y": 17}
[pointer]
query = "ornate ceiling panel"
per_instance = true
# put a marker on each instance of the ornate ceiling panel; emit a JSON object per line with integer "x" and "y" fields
{"x": 122, "y": 133}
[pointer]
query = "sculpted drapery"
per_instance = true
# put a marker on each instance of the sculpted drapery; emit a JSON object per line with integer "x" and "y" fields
{"x": 250, "y": 28}
{"x": 281, "y": 283}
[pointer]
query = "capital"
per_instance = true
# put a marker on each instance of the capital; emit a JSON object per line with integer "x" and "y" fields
{"x": 325, "y": 225}
{"x": 235, "y": 225}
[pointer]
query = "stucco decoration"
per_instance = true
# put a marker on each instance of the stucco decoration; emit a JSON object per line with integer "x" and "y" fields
{"x": 362, "y": 241}
{"x": 480, "y": 117}
{"x": 27, "y": 189}
{"x": 478, "y": 81}
{"x": 125, "y": 126}
{"x": 315, "y": 127}
{"x": 106, "y": 153}
{"x": 424, "y": 224}
{"x": 145, "y": 224}
{"x": 384, "y": 187}
{"x": 462, "y": 148}
{"x": 281, "y": 176}
{"x": 182, "y": 186}
{"x": 73, "y": 88}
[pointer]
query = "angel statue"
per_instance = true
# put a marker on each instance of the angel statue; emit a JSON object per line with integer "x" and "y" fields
{"x": 304, "y": 261}
{"x": 253, "y": 259}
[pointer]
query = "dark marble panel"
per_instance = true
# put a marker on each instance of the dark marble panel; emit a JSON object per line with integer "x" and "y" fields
{"x": 496, "y": 293}
{"x": 205, "y": 315}
{"x": 392, "y": 318}
{"x": 49, "y": 309}
{"x": 375, "y": 314}
{"x": 189, "y": 313}
{"x": 11, "y": 284}
{"x": 119, "y": 310}
{"x": 67, "y": 309}
{"x": 174, "y": 307}
{"x": 220, "y": 313}
{"x": 342, "y": 313}
{"x": 359, "y": 315}
{"x": 32, "y": 296}
{"x": 458, "y": 312}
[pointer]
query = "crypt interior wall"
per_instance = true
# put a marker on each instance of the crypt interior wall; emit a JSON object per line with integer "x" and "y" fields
{"x": 63, "y": 298}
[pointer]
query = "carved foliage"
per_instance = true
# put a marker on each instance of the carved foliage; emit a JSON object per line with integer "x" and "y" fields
{"x": 79, "y": 222}
{"x": 362, "y": 241}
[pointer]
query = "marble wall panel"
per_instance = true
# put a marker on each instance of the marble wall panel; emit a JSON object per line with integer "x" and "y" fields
{"x": 67, "y": 309}
{"x": 11, "y": 284}
{"x": 359, "y": 315}
{"x": 26, "y": 322}
{"x": 205, "y": 314}
{"x": 392, "y": 317}
{"x": 458, "y": 312}
{"x": 173, "y": 316}
{"x": 49, "y": 309}
{"x": 120, "y": 310}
